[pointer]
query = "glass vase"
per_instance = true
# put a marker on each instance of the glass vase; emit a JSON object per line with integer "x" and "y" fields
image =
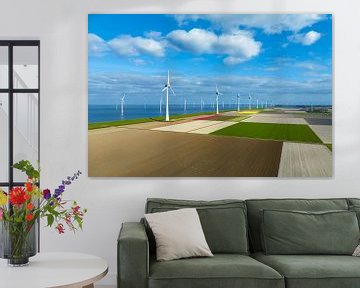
{"x": 18, "y": 242}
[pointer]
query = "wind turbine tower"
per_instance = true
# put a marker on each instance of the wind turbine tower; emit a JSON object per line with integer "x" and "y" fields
{"x": 249, "y": 101}
{"x": 257, "y": 103}
{"x": 166, "y": 89}
{"x": 160, "y": 105}
{"x": 122, "y": 105}
{"x": 217, "y": 99}
{"x": 238, "y": 102}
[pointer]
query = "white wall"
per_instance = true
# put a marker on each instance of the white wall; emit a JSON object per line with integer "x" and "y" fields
{"x": 61, "y": 25}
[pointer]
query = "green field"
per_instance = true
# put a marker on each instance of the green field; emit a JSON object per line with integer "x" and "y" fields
{"x": 284, "y": 132}
{"x": 329, "y": 146}
{"x": 99, "y": 125}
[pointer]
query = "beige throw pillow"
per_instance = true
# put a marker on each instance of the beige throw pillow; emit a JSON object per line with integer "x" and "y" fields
{"x": 178, "y": 234}
{"x": 357, "y": 251}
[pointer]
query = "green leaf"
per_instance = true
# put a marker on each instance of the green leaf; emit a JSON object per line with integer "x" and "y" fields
{"x": 26, "y": 167}
{"x": 50, "y": 219}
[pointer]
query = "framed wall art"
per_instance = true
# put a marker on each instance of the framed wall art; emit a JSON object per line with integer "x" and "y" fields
{"x": 210, "y": 95}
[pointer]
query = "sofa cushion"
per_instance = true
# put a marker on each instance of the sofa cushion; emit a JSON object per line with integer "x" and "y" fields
{"x": 356, "y": 209}
{"x": 297, "y": 232}
{"x": 222, "y": 270}
{"x": 255, "y": 206}
{"x": 314, "y": 271}
{"x": 178, "y": 234}
{"x": 224, "y": 222}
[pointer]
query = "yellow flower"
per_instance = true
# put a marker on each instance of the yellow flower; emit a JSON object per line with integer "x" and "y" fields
{"x": 3, "y": 198}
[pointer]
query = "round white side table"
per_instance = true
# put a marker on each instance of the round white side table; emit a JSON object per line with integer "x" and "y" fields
{"x": 50, "y": 270}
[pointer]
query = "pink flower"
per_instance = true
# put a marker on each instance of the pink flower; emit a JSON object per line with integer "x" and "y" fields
{"x": 1, "y": 214}
{"x": 68, "y": 219}
{"x": 60, "y": 228}
{"x": 76, "y": 210}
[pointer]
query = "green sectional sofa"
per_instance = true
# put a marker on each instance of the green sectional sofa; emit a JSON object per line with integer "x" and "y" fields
{"x": 238, "y": 234}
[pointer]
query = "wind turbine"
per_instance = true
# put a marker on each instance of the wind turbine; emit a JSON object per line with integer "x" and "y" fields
{"x": 217, "y": 99}
{"x": 201, "y": 103}
{"x": 145, "y": 103}
{"x": 160, "y": 105}
{"x": 249, "y": 101}
{"x": 122, "y": 105}
{"x": 185, "y": 104}
{"x": 166, "y": 89}
{"x": 238, "y": 102}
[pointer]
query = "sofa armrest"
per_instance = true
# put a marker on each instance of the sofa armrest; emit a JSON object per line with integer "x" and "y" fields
{"x": 133, "y": 256}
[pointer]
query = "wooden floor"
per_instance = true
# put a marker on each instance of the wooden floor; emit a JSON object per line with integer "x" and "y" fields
{"x": 305, "y": 160}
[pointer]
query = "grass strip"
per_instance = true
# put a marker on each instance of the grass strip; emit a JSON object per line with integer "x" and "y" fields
{"x": 99, "y": 125}
{"x": 283, "y": 132}
{"x": 239, "y": 118}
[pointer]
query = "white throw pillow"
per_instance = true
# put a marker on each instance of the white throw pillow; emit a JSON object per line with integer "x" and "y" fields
{"x": 357, "y": 251}
{"x": 178, "y": 234}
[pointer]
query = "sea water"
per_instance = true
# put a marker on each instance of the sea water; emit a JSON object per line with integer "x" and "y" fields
{"x": 104, "y": 113}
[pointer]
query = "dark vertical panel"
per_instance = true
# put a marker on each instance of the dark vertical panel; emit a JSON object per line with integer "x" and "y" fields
{"x": 11, "y": 91}
{"x": 11, "y": 118}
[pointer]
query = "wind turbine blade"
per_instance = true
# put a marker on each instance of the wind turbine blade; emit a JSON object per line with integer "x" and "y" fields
{"x": 172, "y": 90}
{"x": 164, "y": 89}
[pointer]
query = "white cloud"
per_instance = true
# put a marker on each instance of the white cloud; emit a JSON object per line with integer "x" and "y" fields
{"x": 127, "y": 45}
{"x": 96, "y": 45}
{"x": 310, "y": 65}
{"x": 196, "y": 40}
{"x": 305, "y": 39}
{"x": 238, "y": 46}
{"x": 138, "y": 61}
{"x": 269, "y": 23}
{"x": 272, "y": 69}
{"x": 153, "y": 34}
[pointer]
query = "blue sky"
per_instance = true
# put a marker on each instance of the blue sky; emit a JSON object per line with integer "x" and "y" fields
{"x": 283, "y": 58}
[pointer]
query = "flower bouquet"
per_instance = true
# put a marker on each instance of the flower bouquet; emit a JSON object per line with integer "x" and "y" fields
{"x": 21, "y": 208}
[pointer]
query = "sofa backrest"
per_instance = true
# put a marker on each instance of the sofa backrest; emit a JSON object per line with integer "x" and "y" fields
{"x": 353, "y": 202}
{"x": 223, "y": 221}
{"x": 255, "y": 206}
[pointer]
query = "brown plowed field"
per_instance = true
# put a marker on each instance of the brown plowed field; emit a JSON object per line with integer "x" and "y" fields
{"x": 143, "y": 153}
